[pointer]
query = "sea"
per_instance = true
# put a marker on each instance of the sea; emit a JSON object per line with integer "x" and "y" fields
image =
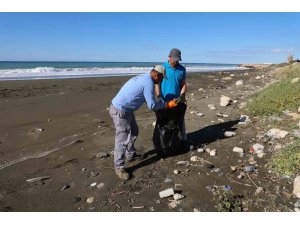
{"x": 21, "y": 70}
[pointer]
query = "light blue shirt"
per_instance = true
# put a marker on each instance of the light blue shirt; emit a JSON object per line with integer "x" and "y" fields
{"x": 171, "y": 87}
{"x": 135, "y": 92}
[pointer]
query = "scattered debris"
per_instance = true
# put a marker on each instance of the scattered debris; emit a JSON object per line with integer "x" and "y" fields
{"x": 229, "y": 134}
{"x": 67, "y": 186}
{"x": 178, "y": 196}
{"x": 238, "y": 150}
{"x": 38, "y": 179}
{"x": 166, "y": 193}
{"x": 277, "y": 133}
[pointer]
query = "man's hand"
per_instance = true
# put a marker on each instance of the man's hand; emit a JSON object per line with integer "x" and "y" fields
{"x": 171, "y": 104}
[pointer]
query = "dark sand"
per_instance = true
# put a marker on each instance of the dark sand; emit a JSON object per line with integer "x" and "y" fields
{"x": 76, "y": 126}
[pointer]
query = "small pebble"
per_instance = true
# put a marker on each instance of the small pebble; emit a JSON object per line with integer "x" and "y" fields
{"x": 90, "y": 200}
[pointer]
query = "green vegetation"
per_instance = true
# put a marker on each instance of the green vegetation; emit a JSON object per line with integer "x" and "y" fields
{"x": 226, "y": 201}
{"x": 287, "y": 161}
{"x": 279, "y": 96}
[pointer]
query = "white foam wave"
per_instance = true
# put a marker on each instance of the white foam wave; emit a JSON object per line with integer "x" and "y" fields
{"x": 55, "y": 73}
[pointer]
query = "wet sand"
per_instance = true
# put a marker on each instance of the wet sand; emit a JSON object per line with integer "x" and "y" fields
{"x": 56, "y": 128}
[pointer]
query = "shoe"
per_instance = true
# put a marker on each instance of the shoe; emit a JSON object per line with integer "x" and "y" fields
{"x": 122, "y": 174}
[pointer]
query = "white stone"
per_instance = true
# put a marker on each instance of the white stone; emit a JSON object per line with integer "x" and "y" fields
{"x": 176, "y": 172}
{"x": 235, "y": 101}
{"x": 93, "y": 184}
{"x": 211, "y": 106}
{"x": 166, "y": 193}
{"x": 153, "y": 124}
{"x": 258, "y": 77}
{"x": 200, "y": 114}
{"x": 239, "y": 83}
{"x": 200, "y": 150}
{"x": 200, "y": 89}
{"x": 238, "y": 150}
{"x": 90, "y": 200}
{"x": 277, "y": 133}
{"x": 207, "y": 150}
{"x": 259, "y": 190}
{"x": 295, "y": 80}
{"x": 178, "y": 196}
{"x": 227, "y": 78}
{"x": 213, "y": 152}
{"x": 229, "y": 134}
{"x": 193, "y": 112}
{"x": 224, "y": 100}
{"x": 194, "y": 158}
{"x": 101, "y": 185}
{"x": 296, "y": 190}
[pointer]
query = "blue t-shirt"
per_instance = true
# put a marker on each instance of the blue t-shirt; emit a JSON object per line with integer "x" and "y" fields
{"x": 135, "y": 92}
{"x": 170, "y": 87}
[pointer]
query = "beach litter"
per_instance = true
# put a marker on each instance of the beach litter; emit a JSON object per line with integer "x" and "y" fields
{"x": 31, "y": 180}
{"x": 166, "y": 193}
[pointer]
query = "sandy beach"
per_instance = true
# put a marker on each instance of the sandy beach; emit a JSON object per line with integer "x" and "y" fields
{"x": 60, "y": 131}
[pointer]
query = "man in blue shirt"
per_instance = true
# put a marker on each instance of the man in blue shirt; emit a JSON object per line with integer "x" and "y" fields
{"x": 175, "y": 86}
{"x": 132, "y": 95}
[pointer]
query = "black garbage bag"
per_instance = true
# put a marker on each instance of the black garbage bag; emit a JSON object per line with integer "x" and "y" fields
{"x": 166, "y": 135}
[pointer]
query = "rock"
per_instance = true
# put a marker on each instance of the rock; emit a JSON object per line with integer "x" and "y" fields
{"x": 200, "y": 89}
{"x": 166, "y": 193}
{"x": 101, "y": 185}
{"x": 296, "y": 190}
{"x": 265, "y": 138}
{"x": 297, "y": 204}
{"x": 259, "y": 190}
{"x": 93, "y": 184}
{"x": 225, "y": 101}
{"x": 153, "y": 124}
{"x": 193, "y": 112}
{"x": 277, "y": 133}
{"x": 227, "y": 78}
{"x": 296, "y": 133}
{"x": 229, "y": 134}
{"x": 258, "y": 77}
{"x": 238, "y": 150}
{"x": 102, "y": 155}
{"x": 211, "y": 106}
{"x": 90, "y": 200}
{"x": 183, "y": 163}
{"x": 213, "y": 152}
{"x": 194, "y": 158}
{"x": 258, "y": 148}
{"x": 295, "y": 80}
{"x": 196, "y": 210}
{"x": 200, "y": 150}
{"x": 200, "y": 114}
{"x": 176, "y": 172}
{"x": 167, "y": 180}
{"x": 39, "y": 129}
{"x": 178, "y": 196}
{"x": 239, "y": 83}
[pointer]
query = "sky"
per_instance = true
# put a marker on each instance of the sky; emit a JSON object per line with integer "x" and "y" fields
{"x": 202, "y": 37}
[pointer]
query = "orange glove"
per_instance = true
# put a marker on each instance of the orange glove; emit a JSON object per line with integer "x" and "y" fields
{"x": 171, "y": 104}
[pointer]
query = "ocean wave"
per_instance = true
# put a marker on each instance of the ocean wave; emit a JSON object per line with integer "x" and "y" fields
{"x": 54, "y": 73}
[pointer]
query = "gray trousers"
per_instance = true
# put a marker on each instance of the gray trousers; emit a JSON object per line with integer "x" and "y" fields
{"x": 126, "y": 134}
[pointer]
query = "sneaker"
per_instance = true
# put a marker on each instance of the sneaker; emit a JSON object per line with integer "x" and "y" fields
{"x": 122, "y": 174}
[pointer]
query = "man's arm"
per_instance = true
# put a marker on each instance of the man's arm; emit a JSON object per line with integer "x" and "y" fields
{"x": 150, "y": 99}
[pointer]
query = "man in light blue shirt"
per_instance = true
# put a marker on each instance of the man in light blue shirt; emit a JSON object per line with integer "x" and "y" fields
{"x": 135, "y": 92}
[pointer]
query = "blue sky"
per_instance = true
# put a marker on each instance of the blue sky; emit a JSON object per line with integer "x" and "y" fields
{"x": 130, "y": 37}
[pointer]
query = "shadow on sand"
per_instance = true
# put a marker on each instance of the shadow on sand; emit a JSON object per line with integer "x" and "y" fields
{"x": 205, "y": 135}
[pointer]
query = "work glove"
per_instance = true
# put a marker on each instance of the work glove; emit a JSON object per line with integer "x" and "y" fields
{"x": 171, "y": 104}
